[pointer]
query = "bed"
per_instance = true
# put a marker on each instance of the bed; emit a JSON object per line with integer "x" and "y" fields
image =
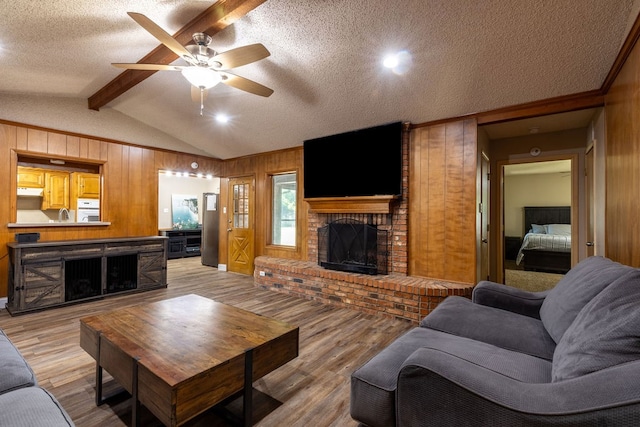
{"x": 546, "y": 245}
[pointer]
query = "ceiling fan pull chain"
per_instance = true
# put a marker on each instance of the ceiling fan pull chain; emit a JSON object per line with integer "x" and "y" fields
{"x": 201, "y": 100}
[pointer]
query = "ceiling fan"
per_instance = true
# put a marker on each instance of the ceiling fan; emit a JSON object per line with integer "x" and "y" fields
{"x": 206, "y": 67}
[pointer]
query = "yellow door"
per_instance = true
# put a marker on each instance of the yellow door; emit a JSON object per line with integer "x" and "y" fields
{"x": 241, "y": 230}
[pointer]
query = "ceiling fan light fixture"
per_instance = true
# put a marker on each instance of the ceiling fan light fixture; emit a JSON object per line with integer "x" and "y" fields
{"x": 201, "y": 77}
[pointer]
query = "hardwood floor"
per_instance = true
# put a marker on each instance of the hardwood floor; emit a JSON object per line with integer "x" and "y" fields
{"x": 312, "y": 389}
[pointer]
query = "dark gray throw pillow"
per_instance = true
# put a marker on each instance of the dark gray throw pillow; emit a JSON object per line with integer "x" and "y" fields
{"x": 605, "y": 333}
{"x": 583, "y": 282}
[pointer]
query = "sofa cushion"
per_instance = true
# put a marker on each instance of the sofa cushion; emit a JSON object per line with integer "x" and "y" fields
{"x": 511, "y": 331}
{"x": 583, "y": 282}
{"x": 15, "y": 372}
{"x": 32, "y": 406}
{"x": 605, "y": 333}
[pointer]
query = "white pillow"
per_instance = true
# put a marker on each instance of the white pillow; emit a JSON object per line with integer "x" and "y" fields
{"x": 539, "y": 229}
{"x": 559, "y": 229}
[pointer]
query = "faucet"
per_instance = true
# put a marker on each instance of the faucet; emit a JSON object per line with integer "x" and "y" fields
{"x": 63, "y": 213}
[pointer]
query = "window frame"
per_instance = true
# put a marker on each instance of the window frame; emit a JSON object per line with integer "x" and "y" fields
{"x": 270, "y": 223}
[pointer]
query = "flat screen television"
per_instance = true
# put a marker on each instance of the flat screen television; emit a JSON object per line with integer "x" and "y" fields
{"x": 364, "y": 162}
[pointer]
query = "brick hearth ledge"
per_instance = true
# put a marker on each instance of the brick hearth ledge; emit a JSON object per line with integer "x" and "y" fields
{"x": 393, "y": 295}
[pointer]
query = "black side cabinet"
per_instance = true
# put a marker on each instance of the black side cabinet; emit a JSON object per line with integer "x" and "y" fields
{"x": 511, "y": 247}
{"x": 183, "y": 243}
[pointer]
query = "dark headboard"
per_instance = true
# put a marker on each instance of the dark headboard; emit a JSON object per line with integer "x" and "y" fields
{"x": 546, "y": 215}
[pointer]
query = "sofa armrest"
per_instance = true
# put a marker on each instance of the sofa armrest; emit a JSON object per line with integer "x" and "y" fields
{"x": 450, "y": 389}
{"x": 508, "y": 298}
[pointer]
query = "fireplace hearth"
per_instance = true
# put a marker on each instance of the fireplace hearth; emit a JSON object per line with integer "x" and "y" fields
{"x": 353, "y": 246}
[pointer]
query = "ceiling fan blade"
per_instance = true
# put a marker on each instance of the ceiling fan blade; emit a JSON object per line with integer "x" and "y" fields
{"x": 239, "y": 56}
{"x": 149, "y": 67}
{"x": 164, "y": 37}
{"x": 245, "y": 84}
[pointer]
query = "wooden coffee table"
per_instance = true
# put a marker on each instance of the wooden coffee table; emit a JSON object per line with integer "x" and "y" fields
{"x": 182, "y": 356}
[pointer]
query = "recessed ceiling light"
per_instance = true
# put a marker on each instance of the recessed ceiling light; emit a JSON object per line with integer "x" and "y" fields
{"x": 222, "y": 118}
{"x": 399, "y": 62}
{"x": 390, "y": 61}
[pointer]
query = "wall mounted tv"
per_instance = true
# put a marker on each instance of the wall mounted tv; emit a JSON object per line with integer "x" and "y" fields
{"x": 365, "y": 162}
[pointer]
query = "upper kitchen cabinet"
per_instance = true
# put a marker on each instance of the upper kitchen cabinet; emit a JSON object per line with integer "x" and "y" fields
{"x": 85, "y": 185}
{"x": 56, "y": 190}
{"x": 30, "y": 177}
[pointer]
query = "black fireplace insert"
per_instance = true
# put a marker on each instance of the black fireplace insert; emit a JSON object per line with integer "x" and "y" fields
{"x": 350, "y": 245}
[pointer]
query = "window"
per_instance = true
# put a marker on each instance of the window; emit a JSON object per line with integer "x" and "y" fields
{"x": 283, "y": 227}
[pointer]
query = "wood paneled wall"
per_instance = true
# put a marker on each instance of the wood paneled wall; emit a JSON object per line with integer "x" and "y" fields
{"x": 443, "y": 201}
{"x": 622, "y": 110}
{"x": 130, "y": 183}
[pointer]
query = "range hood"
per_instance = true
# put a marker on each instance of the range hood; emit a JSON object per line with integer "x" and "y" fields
{"x": 30, "y": 192}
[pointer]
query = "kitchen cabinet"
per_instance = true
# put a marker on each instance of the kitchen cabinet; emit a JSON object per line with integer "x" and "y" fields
{"x": 85, "y": 185}
{"x": 56, "y": 190}
{"x": 30, "y": 177}
{"x": 55, "y": 273}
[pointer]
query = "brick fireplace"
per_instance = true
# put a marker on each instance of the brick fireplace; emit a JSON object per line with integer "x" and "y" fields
{"x": 394, "y": 294}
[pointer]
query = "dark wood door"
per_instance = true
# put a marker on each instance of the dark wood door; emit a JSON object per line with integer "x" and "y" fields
{"x": 589, "y": 200}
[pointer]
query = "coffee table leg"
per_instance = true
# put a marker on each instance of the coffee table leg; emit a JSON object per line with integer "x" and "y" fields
{"x": 99, "y": 400}
{"x": 134, "y": 394}
{"x": 247, "y": 401}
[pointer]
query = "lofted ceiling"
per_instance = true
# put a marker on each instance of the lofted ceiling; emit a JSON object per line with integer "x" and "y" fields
{"x": 325, "y": 67}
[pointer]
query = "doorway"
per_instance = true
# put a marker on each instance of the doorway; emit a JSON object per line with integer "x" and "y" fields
{"x": 240, "y": 228}
{"x": 539, "y": 218}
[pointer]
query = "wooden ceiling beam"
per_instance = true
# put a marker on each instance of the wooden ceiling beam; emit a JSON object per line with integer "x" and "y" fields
{"x": 213, "y": 20}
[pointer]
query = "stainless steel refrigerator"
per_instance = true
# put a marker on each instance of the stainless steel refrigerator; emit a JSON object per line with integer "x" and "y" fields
{"x": 210, "y": 229}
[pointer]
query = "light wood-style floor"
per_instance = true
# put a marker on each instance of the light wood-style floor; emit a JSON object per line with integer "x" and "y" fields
{"x": 313, "y": 389}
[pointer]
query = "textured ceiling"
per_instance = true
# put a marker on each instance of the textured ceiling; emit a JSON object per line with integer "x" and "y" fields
{"x": 325, "y": 67}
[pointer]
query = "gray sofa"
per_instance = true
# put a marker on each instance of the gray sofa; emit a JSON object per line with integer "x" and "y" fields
{"x": 22, "y": 401}
{"x": 569, "y": 356}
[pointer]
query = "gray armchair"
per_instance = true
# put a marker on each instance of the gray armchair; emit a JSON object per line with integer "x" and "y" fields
{"x": 568, "y": 356}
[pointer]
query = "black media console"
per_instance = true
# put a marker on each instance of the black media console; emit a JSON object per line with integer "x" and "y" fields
{"x": 183, "y": 243}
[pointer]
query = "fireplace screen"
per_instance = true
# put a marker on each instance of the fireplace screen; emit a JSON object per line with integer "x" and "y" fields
{"x": 350, "y": 245}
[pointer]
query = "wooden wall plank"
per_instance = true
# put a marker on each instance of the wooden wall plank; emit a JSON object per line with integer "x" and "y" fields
{"x": 73, "y": 146}
{"x": 94, "y": 149}
{"x": 8, "y": 141}
{"x": 36, "y": 140}
{"x": 623, "y": 164}
{"x": 56, "y": 144}
{"x": 442, "y": 189}
{"x": 435, "y": 205}
{"x": 21, "y": 139}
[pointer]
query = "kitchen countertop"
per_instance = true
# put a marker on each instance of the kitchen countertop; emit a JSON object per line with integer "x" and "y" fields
{"x": 56, "y": 224}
